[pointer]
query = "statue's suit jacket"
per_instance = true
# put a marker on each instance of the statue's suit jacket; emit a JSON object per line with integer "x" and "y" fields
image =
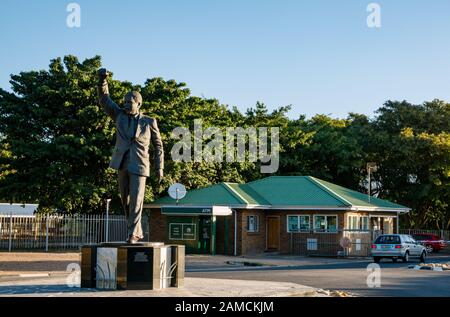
{"x": 136, "y": 143}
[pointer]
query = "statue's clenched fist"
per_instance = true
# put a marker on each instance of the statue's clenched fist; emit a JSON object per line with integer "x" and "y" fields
{"x": 102, "y": 74}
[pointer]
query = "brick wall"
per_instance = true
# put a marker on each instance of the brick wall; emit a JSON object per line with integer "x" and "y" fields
{"x": 255, "y": 242}
{"x": 251, "y": 242}
{"x": 157, "y": 226}
{"x": 158, "y": 231}
{"x": 322, "y": 238}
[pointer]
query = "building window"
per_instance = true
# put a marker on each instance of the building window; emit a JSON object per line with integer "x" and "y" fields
{"x": 352, "y": 222}
{"x": 298, "y": 223}
{"x": 325, "y": 223}
{"x": 358, "y": 223}
{"x": 365, "y": 223}
{"x": 252, "y": 223}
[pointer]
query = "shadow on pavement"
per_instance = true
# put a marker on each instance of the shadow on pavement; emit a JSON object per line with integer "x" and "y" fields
{"x": 40, "y": 289}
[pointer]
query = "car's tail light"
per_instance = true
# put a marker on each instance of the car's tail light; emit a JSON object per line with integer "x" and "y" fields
{"x": 374, "y": 246}
{"x": 398, "y": 246}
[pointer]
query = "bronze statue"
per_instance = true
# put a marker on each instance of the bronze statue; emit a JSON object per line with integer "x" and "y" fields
{"x": 134, "y": 132}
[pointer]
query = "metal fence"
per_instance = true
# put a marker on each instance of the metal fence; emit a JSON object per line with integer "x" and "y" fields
{"x": 60, "y": 232}
{"x": 442, "y": 234}
{"x": 348, "y": 243}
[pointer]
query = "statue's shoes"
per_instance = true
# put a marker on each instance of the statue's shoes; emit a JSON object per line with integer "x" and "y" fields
{"x": 133, "y": 240}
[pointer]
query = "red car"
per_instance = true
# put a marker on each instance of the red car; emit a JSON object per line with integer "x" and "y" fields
{"x": 431, "y": 242}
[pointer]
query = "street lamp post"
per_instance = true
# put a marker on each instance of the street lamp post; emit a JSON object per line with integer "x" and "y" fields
{"x": 371, "y": 166}
{"x": 107, "y": 220}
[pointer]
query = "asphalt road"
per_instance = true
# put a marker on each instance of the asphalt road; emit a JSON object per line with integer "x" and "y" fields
{"x": 396, "y": 279}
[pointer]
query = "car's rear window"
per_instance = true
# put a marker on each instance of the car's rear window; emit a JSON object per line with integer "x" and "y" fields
{"x": 388, "y": 240}
{"x": 421, "y": 237}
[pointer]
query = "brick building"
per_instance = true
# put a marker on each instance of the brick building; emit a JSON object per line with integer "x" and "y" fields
{"x": 260, "y": 216}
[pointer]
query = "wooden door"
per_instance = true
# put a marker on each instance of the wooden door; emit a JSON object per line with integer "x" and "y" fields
{"x": 273, "y": 233}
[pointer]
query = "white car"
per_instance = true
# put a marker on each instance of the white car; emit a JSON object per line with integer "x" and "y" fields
{"x": 397, "y": 246}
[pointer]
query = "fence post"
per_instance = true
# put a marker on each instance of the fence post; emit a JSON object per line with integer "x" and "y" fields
{"x": 107, "y": 220}
{"x": 292, "y": 244}
{"x": 46, "y": 233}
{"x": 10, "y": 233}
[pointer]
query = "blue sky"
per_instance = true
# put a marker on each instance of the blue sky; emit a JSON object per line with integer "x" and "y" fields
{"x": 319, "y": 55}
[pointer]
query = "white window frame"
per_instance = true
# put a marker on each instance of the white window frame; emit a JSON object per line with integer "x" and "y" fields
{"x": 359, "y": 222}
{"x": 368, "y": 224}
{"x": 316, "y": 230}
{"x": 350, "y": 221}
{"x": 298, "y": 223}
{"x": 256, "y": 223}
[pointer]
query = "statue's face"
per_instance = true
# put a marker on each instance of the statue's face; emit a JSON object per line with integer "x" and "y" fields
{"x": 131, "y": 106}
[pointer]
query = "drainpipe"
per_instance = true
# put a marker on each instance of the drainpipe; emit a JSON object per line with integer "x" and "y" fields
{"x": 398, "y": 213}
{"x": 235, "y": 232}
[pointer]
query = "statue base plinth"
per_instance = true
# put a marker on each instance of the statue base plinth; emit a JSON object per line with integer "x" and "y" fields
{"x": 122, "y": 266}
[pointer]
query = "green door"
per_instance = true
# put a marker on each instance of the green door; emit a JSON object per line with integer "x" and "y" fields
{"x": 204, "y": 234}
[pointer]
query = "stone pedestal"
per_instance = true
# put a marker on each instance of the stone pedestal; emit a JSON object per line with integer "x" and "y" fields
{"x": 132, "y": 266}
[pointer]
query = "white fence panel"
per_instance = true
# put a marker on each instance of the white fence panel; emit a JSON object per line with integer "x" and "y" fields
{"x": 60, "y": 232}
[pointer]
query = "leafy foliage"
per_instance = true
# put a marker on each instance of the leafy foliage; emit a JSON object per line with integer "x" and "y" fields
{"x": 56, "y": 143}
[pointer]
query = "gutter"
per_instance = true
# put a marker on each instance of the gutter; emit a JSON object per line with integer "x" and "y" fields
{"x": 293, "y": 207}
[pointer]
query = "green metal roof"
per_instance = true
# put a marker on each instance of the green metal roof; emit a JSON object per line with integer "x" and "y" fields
{"x": 218, "y": 194}
{"x": 247, "y": 193}
{"x": 356, "y": 198}
{"x": 293, "y": 190}
{"x": 279, "y": 191}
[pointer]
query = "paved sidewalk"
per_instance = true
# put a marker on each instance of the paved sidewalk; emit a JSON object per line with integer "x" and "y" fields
{"x": 36, "y": 263}
{"x": 45, "y": 274}
{"x": 194, "y": 287}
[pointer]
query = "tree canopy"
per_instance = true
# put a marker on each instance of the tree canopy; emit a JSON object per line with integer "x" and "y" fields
{"x": 56, "y": 143}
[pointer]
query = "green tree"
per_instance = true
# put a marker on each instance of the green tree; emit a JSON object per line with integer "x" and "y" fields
{"x": 58, "y": 138}
{"x": 411, "y": 145}
{"x": 56, "y": 142}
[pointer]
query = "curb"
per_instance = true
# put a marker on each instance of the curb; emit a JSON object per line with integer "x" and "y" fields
{"x": 249, "y": 263}
{"x": 428, "y": 268}
{"x": 31, "y": 276}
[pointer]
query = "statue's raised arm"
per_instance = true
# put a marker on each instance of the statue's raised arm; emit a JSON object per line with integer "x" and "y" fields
{"x": 134, "y": 133}
{"x": 109, "y": 106}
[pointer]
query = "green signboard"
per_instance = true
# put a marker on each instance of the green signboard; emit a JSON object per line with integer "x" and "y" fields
{"x": 182, "y": 231}
{"x": 188, "y": 231}
{"x": 176, "y": 231}
{"x": 169, "y": 210}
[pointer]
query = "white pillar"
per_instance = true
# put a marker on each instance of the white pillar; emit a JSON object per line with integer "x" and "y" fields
{"x": 10, "y": 233}
{"x": 235, "y": 232}
{"x": 397, "y": 224}
{"x": 46, "y": 233}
